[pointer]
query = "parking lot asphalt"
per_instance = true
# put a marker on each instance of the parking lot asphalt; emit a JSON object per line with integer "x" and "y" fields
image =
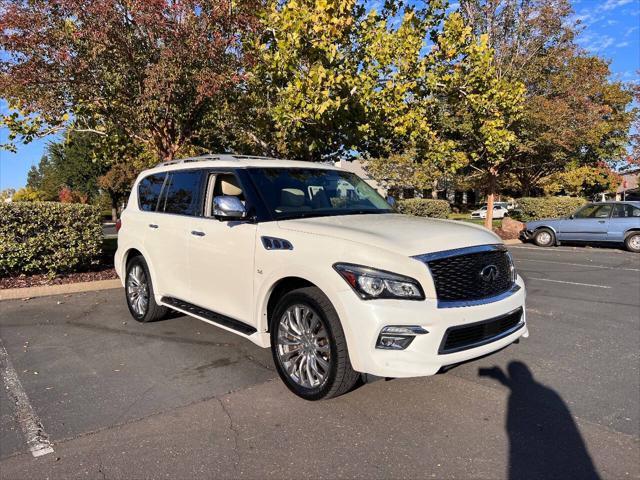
{"x": 179, "y": 398}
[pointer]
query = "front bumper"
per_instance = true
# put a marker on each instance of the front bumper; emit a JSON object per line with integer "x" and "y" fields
{"x": 525, "y": 235}
{"x": 363, "y": 321}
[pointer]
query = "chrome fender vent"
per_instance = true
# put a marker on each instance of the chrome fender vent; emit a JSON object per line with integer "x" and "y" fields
{"x": 273, "y": 243}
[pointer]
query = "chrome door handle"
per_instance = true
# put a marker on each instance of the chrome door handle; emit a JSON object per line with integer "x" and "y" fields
{"x": 153, "y": 225}
{"x": 197, "y": 233}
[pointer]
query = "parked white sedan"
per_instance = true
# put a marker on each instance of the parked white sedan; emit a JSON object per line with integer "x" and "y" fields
{"x": 499, "y": 211}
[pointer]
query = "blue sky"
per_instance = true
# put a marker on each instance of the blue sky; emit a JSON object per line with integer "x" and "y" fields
{"x": 611, "y": 30}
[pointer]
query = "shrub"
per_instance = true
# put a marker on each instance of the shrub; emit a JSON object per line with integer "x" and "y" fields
{"x": 48, "y": 237}
{"x": 547, "y": 207}
{"x": 422, "y": 207}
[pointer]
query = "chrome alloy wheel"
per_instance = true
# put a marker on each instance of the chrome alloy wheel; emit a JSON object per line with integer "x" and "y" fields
{"x": 303, "y": 346}
{"x": 634, "y": 242}
{"x": 544, "y": 238}
{"x": 138, "y": 290}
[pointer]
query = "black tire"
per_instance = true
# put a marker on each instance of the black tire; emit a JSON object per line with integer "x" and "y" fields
{"x": 151, "y": 311}
{"x": 544, "y": 237}
{"x": 632, "y": 242}
{"x": 341, "y": 377}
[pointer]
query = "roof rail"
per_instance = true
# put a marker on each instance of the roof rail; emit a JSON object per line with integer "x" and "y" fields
{"x": 213, "y": 156}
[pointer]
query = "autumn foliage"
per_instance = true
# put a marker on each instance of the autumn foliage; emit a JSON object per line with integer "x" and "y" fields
{"x": 496, "y": 92}
{"x": 147, "y": 69}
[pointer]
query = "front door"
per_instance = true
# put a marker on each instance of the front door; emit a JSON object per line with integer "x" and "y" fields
{"x": 221, "y": 256}
{"x": 590, "y": 223}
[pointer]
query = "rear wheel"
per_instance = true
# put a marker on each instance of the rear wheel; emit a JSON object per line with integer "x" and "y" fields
{"x": 632, "y": 242}
{"x": 308, "y": 346}
{"x": 544, "y": 237}
{"x": 139, "y": 292}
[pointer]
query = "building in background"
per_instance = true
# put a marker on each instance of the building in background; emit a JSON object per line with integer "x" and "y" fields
{"x": 355, "y": 166}
{"x": 628, "y": 189}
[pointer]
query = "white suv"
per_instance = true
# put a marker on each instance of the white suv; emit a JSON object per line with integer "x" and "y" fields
{"x": 309, "y": 260}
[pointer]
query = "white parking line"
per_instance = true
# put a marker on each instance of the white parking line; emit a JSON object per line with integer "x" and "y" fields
{"x": 31, "y": 426}
{"x": 580, "y": 265}
{"x": 539, "y": 249}
{"x": 570, "y": 283}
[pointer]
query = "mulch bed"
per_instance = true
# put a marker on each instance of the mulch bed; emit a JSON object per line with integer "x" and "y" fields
{"x": 24, "y": 281}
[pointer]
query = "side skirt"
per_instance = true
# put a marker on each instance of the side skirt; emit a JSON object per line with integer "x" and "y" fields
{"x": 218, "y": 318}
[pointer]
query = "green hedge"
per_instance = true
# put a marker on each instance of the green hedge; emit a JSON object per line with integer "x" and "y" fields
{"x": 547, "y": 207}
{"x": 48, "y": 237}
{"x": 422, "y": 207}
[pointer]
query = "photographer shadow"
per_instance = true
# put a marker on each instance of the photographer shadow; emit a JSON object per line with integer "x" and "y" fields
{"x": 544, "y": 440}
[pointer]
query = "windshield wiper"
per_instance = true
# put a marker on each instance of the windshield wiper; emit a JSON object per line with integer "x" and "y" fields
{"x": 333, "y": 213}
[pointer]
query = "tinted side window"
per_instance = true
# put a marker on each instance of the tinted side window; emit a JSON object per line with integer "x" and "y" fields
{"x": 149, "y": 190}
{"x": 594, "y": 211}
{"x": 622, "y": 210}
{"x": 183, "y": 193}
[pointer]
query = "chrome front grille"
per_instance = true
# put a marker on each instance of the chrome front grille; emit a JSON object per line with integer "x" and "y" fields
{"x": 473, "y": 275}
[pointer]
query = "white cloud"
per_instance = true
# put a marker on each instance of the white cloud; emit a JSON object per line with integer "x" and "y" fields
{"x": 595, "y": 43}
{"x": 611, "y": 4}
{"x": 622, "y": 44}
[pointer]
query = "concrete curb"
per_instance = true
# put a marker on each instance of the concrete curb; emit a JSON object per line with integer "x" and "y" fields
{"x": 46, "y": 290}
{"x": 513, "y": 241}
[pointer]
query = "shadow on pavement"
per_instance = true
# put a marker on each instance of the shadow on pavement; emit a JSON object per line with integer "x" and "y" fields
{"x": 544, "y": 441}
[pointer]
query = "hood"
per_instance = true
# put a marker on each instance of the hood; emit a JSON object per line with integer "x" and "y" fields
{"x": 543, "y": 221}
{"x": 397, "y": 233}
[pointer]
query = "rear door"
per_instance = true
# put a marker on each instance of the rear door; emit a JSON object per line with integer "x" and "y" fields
{"x": 624, "y": 217}
{"x": 179, "y": 204}
{"x": 590, "y": 223}
{"x": 141, "y": 224}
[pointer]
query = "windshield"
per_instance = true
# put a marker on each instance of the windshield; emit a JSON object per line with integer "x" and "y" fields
{"x": 312, "y": 192}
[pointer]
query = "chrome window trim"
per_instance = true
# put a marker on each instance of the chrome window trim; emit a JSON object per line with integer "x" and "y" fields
{"x": 497, "y": 247}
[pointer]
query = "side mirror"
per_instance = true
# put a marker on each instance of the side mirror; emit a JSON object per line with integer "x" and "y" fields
{"x": 227, "y": 207}
{"x": 571, "y": 217}
{"x": 391, "y": 201}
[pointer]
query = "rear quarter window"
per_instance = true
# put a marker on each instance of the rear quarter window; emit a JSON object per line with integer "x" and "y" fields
{"x": 149, "y": 190}
{"x": 622, "y": 210}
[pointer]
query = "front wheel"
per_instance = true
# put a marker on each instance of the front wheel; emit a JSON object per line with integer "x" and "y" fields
{"x": 544, "y": 237}
{"x": 309, "y": 347}
{"x": 632, "y": 242}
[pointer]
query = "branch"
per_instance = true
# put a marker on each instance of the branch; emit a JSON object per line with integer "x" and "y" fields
{"x": 89, "y": 130}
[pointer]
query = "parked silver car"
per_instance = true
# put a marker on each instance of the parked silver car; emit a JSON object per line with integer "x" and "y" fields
{"x": 617, "y": 222}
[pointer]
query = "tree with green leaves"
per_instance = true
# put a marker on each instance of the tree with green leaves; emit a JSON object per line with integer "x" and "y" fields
{"x": 574, "y": 115}
{"x": 70, "y": 163}
{"x": 582, "y": 180}
{"x": 458, "y": 116}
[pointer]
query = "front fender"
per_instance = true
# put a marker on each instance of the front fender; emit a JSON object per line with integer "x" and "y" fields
{"x": 328, "y": 281}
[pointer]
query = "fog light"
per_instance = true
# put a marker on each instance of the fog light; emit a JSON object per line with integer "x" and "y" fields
{"x": 398, "y": 337}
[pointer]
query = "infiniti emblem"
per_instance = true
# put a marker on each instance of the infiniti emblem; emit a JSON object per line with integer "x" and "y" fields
{"x": 489, "y": 273}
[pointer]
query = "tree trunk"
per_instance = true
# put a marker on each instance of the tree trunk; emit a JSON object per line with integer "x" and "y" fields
{"x": 491, "y": 192}
{"x": 434, "y": 190}
{"x": 114, "y": 207}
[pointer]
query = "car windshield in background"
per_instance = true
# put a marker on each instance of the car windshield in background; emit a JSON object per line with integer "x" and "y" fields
{"x": 313, "y": 192}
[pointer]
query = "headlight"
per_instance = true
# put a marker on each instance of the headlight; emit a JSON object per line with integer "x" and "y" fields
{"x": 370, "y": 283}
{"x": 512, "y": 268}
